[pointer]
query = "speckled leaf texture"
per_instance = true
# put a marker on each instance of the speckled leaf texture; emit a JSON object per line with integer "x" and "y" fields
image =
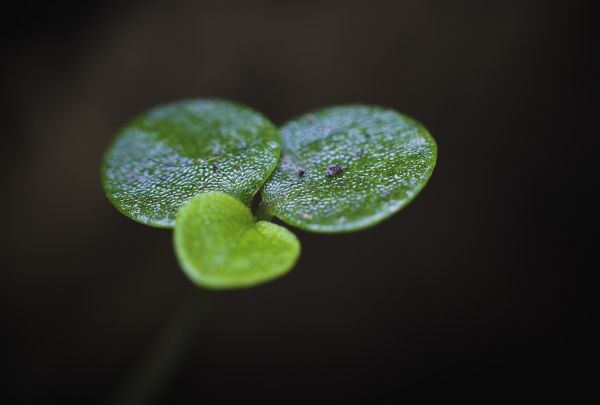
{"x": 173, "y": 152}
{"x": 220, "y": 245}
{"x": 349, "y": 167}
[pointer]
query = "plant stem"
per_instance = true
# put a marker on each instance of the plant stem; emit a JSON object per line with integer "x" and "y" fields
{"x": 153, "y": 375}
{"x": 262, "y": 212}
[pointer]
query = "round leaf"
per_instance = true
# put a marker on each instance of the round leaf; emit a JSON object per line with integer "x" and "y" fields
{"x": 347, "y": 168}
{"x": 168, "y": 155}
{"x": 220, "y": 245}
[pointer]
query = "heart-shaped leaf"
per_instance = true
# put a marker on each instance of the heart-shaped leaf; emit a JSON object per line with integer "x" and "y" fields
{"x": 220, "y": 245}
{"x": 168, "y": 155}
{"x": 347, "y": 168}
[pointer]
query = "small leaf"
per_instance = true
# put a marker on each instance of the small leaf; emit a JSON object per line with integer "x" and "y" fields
{"x": 220, "y": 245}
{"x": 347, "y": 168}
{"x": 168, "y": 155}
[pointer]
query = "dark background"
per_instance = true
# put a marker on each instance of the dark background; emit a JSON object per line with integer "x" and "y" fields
{"x": 468, "y": 290}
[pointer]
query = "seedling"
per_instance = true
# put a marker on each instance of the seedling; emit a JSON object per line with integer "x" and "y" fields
{"x": 340, "y": 169}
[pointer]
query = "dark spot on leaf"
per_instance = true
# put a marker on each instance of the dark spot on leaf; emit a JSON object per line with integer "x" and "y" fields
{"x": 301, "y": 172}
{"x": 333, "y": 170}
{"x": 216, "y": 167}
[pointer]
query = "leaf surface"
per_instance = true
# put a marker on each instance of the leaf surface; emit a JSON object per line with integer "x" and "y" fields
{"x": 171, "y": 153}
{"x": 347, "y": 168}
{"x": 220, "y": 245}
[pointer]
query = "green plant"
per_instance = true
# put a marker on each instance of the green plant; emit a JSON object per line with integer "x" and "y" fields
{"x": 197, "y": 165}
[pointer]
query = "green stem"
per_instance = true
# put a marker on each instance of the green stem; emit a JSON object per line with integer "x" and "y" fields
{"x": 153, "y": 375}
{"x": 262, "y": 212}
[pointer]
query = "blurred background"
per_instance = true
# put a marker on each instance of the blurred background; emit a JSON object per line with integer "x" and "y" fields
{"x": 468, "y": 289}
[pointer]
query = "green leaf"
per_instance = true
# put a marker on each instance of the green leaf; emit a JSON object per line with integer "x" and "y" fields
{"x": 220, "y": 245}
{"x": 173, "y": 152}
{"x": 347, "y": 168}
